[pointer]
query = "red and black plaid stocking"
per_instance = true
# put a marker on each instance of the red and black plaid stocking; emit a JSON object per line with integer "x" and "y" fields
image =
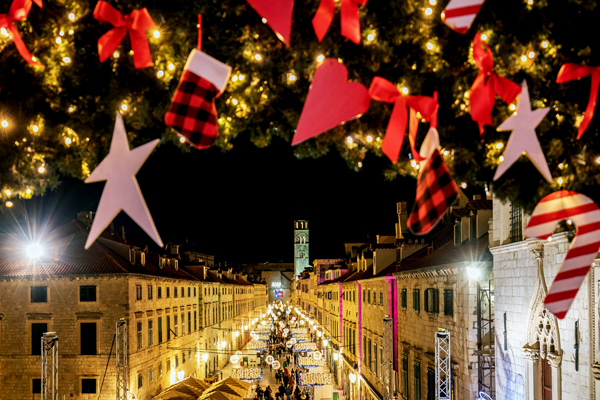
{"x": 193, "y": 112}
{"x": 436, "y": 191}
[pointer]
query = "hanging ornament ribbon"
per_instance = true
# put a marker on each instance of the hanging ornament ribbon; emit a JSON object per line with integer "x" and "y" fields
{"x": 136, "y": 23}
{"x": 487, "y": 85}
{"x": 199, "y": 32}
{"x": 19, "y": 9}
{"x": 349, "y": 18}
{"x": 383, "y": 90}
{"x": 567, "y": 73}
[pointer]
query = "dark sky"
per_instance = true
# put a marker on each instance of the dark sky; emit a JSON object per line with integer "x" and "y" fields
{"x": 240, "y": 205}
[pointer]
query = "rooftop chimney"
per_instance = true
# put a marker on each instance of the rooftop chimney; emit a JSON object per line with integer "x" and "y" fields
{"x": 123, "y": 233}
{"x": 401, "y": 226}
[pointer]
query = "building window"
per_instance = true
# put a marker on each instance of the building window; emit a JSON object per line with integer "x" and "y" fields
{"x": 39, "y": 294}
{"x": 140, "y": 381}
{"x": 183, "y": 357}
{"x": 159, "y": 330}
{"x": 457, "y": 234}
{"x": 381, "y": 361}
{"x": 194, "y": 292}
{"x": 189, "y": 292}
{"x": 138, "y": 292}
{"x": 189, "y": 321}
{"x": 88, "y": 338}
{"x": 449, "y": 302}
{"x": 417, "y": 300}
{"x": 36, "y": 386}
{"x": 369, "y": 359}
{"x": 150, "y": 332}
{"x": 403, "y": 298}
{"x": 87, "y": 293}
{"x": 159, "y": 292}
{"x": 430, "y": 384}
{"x": 182, "y": 324}
{"x": 380, "y": 298}
{"x": 175, "y": 292}
{"x": 176, "y": 361}
{"x": 417, "y": 376}
{"x": 432, "y": 300}
{"x": 405, "y": 377}
{"x": 37, "y": 330}
{"x": 182, "y": 292}
{"x": 516, "y": 224}
{"x": 149, "y": 292}
{"x": 375, "y": 358}
{"x": 88, "y": 386}
{"x": 175, "y": 325}
{"x": 159, "y": 370}
{"x": 139, "y": 335}
{"x": 150, "y": 375}
{"x": 368, "y": 296}
{"x": 168, "y": 327}
{"x": 168, "y": 366}
{"x": 168, "y": 292}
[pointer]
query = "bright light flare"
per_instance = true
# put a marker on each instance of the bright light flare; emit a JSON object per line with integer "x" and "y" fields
{"x": 34, "y": 250}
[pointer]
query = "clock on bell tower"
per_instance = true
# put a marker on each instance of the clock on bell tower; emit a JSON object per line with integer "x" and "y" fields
{"x": 300, "y": 246}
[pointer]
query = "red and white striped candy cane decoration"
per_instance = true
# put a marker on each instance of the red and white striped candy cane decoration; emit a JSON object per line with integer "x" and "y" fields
{"x": 582, "y": 210}
{"x": 459, "y": 14}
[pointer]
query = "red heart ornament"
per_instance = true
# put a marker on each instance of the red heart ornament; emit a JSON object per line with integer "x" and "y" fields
{"x": 331, "y": 101}
{"x": 278, "y": 14}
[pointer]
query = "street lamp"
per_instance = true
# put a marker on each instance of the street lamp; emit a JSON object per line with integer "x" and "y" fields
{"x": 352, "y": 377}
{"x": 205, "y": 357}
{"x": 473, "y": 273}
{"x": 223, "y": 344}
{"x": 325, "y": 342}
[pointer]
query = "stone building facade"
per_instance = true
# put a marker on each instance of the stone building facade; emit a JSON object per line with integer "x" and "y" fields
{"x": 82, "y": 294}
{"x": 537, "y": 355}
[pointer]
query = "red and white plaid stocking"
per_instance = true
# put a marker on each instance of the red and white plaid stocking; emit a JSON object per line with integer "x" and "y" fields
{"x": 193, "y": 112}
{"x": 436, "y": 189}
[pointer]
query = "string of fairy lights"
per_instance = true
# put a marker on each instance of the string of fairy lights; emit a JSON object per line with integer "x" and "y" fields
{"x": 244, "y": 85}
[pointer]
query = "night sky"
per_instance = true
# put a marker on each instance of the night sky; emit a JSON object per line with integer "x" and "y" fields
{"x": 240, "y": 205}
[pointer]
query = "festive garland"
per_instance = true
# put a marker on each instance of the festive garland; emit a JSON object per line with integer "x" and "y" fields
{"x": 315, "y": 379}
{"x": 247, "y": 374}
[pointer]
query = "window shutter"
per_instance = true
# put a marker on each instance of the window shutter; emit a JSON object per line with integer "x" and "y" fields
{"x": 427, "y": 295}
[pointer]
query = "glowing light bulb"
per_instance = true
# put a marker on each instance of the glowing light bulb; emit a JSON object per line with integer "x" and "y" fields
{"x": 71, "y": 31}
{"x": 264, "y": 20}
{"x": 512, "y": 107}
{"x": 429, "y": 46}
{"x": 598, "y": 160}
{"x": 258, "y": 57}
{"x": 171, "y": 67}
{"x": 160, "y": 73}
{"x": 446, "y": 152}
{"x": 499, "y": 145}
{"x": 531, "y": 54}
{"x": 116, "y": 54}
{"x": 428, "y": 11}
{"x": 370, "y": 37}
{"x": 234, "y": 78}
{"x": 560, "y": 181}
{"x": 5, "y": 124}
{"x": 8, "y": 192}
{"x": 530, "y": 2}
{"x": 33, "y": 58}
{"x": 156, "y": 34}
{"x": 58, "y": 40}
{"x": 234, "y": 102}
{"x": 404, "y": 90}
{"x": 41, "y": 170}
{"x": 349, "y": 140}
{"x": 413, "y": 163}
{"x": 292, "y": 78}
{"x": 524, "y": 58}
{"x": 359, "y": 166}
{"x": 61, "y": 33}
{"x": 483, "y": 36}
{"x": 561, "y": 165}
{"x": 463, "y": 185}
{"x": 9, "y": 204}
{"x": 501, "y": 158}
{"x": 569, "y": 222}
{"x": 68, "y": 140}
{"x": 71, "y": 16}
{"x": 467, "y": 94}
{"x": 241, "y": 77}
{"x": 545, "y": 44}
{"x": 181, "y": 140}
{"x": 433, "y": 2}
{"x": 28, "y": 191}
{"x": 66, "y": 60}
{"x": 124, "y": 107}
{"x": 4, "y": 31}
{"x": 320, "y": 58}
{"x": 71, "y": 109}
{"x": 369, "y": 138}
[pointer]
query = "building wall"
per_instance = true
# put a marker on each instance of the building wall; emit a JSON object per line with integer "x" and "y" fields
{"x": 516, "y": 277}
{"x": 417, "y": 329}
{"x": 276, "y": 280}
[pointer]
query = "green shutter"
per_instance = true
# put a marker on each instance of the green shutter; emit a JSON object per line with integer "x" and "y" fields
{"x": 417, "y": 375}
{"x": 448, "y": 302}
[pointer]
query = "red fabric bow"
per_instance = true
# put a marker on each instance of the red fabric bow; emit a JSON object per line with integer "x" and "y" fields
{"x": 19, "y": 9}
{"x": 568, "y": 72}
{"x": 487, "y": 85}
{"x": 383, "y": 90}
{"x": 136, "y": 23}
{"x": 349, "y": 18}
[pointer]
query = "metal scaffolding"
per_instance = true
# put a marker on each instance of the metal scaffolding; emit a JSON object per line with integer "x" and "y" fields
{"x": 49, "y": 366}
{"x": 387, "y": 362}
{"x": 485, "y": 338}
{"x": 443, "y": 365}
{"x": 121, "y": 355}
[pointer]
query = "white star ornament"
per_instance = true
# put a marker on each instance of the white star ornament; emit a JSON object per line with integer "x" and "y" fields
{"x": 122, "y": 191}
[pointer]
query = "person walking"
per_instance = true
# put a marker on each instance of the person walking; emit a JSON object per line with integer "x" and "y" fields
{"x": 288, "y": 392}
{"x": 259, "y": 393}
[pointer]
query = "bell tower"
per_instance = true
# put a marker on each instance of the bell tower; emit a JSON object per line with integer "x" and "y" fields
{"x": 300, "y": 246}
